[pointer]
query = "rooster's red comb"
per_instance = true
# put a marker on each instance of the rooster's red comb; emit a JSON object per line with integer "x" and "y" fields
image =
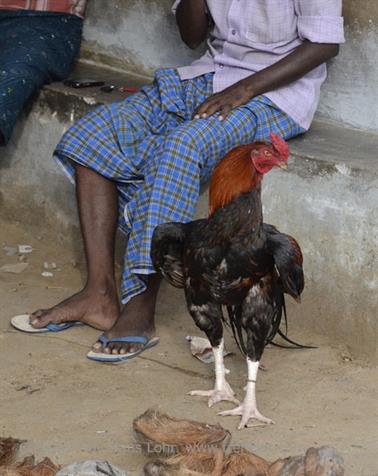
{"x": 279, "y": 145}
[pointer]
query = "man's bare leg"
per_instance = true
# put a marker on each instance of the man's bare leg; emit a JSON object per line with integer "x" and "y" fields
{"x": 97, "y": 303}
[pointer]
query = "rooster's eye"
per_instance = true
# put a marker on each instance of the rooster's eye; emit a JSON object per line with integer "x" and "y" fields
{"x": 267, "y": 153}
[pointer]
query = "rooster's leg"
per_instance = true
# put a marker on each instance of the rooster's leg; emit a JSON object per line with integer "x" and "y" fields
{"x": 222, "y": 390}
{"x": 248, "y": 409}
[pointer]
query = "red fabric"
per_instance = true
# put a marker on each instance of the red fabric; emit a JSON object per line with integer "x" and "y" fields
{"x": 74, "y": 7}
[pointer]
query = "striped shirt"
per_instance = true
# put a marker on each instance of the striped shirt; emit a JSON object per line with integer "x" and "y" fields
{"x": 73, "y": 7}
{"x": 250, "y": 35}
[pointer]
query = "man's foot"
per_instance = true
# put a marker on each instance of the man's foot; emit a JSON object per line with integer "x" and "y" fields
{"x": 136, "y": 319}
{"x": 96, "y": 306}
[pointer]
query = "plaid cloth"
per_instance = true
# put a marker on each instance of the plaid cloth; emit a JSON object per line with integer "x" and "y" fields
{"x": 35, "y": 48}
{"x": 158, "y": 156}
{"x": 73, "y": 7}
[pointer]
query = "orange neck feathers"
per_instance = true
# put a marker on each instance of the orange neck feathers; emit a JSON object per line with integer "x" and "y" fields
{"x": 235, "y": 174}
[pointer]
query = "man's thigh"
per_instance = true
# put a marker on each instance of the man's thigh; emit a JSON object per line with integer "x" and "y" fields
{"x": 210, "y": 139}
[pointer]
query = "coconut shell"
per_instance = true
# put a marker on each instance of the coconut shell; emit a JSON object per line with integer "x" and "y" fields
{"x": 24, "y": 467}
{"x": 324, "y": 461}
{"x": 8, "y": 450}
{"x": 245, "y": 463}
{"x": 159, "y": 468}
{"x": 161, "y": 434}
{"x": 276, "y": 467}
{"x": 293, "y": 466}
{"x": 190, "y": 464}
{"x": 27, "y": 467}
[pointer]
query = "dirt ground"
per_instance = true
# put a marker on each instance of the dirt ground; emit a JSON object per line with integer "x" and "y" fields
{"x": 70, "y": 409}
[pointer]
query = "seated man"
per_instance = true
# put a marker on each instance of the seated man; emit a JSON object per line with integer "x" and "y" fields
{"x": 148, "y": 154}
{"x": 38, "y": 44}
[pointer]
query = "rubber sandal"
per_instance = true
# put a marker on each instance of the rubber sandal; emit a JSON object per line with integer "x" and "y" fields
{"x": 22, "y": 323}
{"x": 119, "y": 358}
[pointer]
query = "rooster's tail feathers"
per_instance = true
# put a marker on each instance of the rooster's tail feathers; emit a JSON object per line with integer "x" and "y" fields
{"x": 279, "y": 312}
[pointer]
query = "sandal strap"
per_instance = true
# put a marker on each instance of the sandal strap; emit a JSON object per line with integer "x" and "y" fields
{"x": 129, "y": 339}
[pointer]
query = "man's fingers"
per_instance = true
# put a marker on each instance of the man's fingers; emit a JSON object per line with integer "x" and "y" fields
{"x": 214, "y": 107}
{"x": 211, "y": 108}
{"x": 215, "y": 104}
{"x": 202, "y": 108}
{"x": 225, "y": 111}
{"x": 205, "y": 108}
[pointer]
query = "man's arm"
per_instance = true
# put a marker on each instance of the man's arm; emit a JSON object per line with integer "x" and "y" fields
{"x": 192, "y": 22}
{"x": 301, "y": 61}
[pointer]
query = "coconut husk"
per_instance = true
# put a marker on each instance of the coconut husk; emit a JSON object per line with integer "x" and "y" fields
{"x": 324, "y": 461}
{"x": 163, "y": 435}
{"x": 190, "y": 464}
{"x": 27, "y": 467}
{"x": 276, "y": 467}
{"x": 8, "y": 450}
{"x": 243, "y": 462}
{"x": 162, "y": 468}
{"x": 293, "y": 466}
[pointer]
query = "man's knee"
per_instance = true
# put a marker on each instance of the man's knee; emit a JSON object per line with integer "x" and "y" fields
{"x": 194, "y": 137}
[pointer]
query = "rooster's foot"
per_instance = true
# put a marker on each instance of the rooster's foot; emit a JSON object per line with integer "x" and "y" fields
{"x": 247, "y": 413}
{"x": 216, "y": 396}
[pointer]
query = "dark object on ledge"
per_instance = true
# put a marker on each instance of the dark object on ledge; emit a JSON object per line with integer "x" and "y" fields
{"x": 83, "y": 83}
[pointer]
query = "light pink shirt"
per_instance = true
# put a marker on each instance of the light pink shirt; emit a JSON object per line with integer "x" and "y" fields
{"x": 250, "y": 35}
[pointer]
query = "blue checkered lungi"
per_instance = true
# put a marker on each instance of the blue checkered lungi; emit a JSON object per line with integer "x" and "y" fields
{"x": 158, "y": 156}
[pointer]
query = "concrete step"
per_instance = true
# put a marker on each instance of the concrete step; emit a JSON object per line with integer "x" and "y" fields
{"x": 327, "y": 199}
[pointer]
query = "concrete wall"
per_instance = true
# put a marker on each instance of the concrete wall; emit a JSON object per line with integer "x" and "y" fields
{"x": 351, "y": 92}
{"x": 142, "y": 35}
{"x": 333, "y": 212}
{"x": 137, "y": 34}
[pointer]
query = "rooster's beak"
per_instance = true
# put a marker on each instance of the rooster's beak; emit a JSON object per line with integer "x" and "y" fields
{"x": 282, "y": 165}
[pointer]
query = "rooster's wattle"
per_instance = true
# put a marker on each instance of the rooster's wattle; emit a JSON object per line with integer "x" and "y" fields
{"x": 233, "y": 259}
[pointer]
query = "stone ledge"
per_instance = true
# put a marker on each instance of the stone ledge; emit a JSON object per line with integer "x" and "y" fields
{"x": 331, "y": 145}
{"x": 65, "y": 101}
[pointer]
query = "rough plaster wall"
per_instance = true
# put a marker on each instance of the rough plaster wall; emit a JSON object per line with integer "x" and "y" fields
{"x": 33, "y": 189}
{"x": 142, "y": 35}
{"x": 330, "y": 221}
{"x": 351, "y": 92}
{"x": 136, "y": 33}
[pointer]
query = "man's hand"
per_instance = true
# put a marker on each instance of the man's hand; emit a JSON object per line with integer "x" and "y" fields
{"x": 295, "y": 65}
{"x": 225, "y": 101}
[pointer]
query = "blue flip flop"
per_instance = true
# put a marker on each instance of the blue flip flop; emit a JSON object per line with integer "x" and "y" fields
{"x": 21, "y": 323}
{"x": 119, "y": 358}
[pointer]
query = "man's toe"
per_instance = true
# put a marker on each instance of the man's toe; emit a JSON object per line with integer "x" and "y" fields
{"x": 38, "y": 322}
{"x": 37, "y": 314}
{"x": 97, "y": 347}
{"x": 117, "y": 347}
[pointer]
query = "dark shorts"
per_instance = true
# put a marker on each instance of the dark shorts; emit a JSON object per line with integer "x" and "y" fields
{"x": 35, "y": 48}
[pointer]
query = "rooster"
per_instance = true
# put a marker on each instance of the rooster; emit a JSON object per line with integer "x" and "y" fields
{"x": 233, "y": 259}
